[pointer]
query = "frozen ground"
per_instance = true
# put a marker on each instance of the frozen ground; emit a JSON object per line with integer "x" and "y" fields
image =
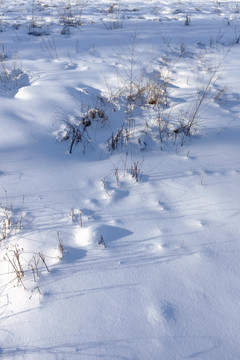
{"x": 127, "y": 248}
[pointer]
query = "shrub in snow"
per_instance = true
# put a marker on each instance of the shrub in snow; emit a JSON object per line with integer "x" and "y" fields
{"x": 187, "y": 20}
{"x": 38, "y": 31}
{"x": 10, "y": 221}
{"x": 12, "y": 80}
{"x": 71, "y": 12}
{"x": 3, "y": 55}
{"x": 76, "y": 129}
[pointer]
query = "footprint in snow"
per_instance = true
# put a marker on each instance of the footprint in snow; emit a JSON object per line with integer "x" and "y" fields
{"x": 114, "y": 192}
{"x": 209, "y": 252}
{"x": 169, "y": 311}
{"x": 163, "y": 206}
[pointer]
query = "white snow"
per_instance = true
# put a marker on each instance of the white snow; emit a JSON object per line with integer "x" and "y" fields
{"x": 127, "y": 248}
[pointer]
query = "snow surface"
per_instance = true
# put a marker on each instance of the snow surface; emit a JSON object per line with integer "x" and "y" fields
{"x": 115, "y": 266}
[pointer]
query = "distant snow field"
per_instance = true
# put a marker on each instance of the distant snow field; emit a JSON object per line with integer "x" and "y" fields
{"x": 119, "y": 180}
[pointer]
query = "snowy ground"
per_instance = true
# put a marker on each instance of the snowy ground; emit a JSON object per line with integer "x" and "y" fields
{"x": 127, "y": 248}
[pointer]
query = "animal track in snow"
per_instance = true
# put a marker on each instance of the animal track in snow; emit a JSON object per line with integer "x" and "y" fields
{"x": 169, "y": 311}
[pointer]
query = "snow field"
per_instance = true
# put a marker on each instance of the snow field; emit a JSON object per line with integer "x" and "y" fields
{"x": 128, "y": 252}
